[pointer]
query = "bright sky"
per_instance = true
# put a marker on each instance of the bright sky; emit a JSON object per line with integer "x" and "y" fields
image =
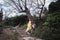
{"x": 47, "y": 3}
{"x": 1, "y": 1}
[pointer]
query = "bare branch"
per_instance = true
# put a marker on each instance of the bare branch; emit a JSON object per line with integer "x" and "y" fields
{"x": 41, "y": 2}
{"x": 10, "y": 5}
{"x": 20, "y": 5}
{"x": 25, "y": 5}
{"x": 42, "y": 9}
{"x": 15, "y": 4}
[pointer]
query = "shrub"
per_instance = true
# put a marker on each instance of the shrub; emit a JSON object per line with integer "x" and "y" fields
{"x": 1, "y": 27}
{"x": 13, "y": 21}
{"x": 50, "y": 29}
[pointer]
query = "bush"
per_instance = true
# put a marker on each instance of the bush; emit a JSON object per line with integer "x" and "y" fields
{"x": 22, "y": 19}
{"x": 52, "y": 26}
{"x": 1, "y": 27}
{"x": 24, "y": 26}
{"x": 50, "y": 29}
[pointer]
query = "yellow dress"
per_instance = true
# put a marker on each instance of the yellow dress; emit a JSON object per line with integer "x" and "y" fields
{"x": 29, "y": 26}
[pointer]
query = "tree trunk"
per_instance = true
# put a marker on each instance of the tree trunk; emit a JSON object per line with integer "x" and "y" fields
{"x": 1, "y": 15}
{"x": 31, "y": 21}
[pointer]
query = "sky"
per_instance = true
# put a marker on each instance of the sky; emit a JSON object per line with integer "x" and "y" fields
{"x": 13, "y": 14}
{"x": 47, "y": 2}
{"x": 1, "y": 1}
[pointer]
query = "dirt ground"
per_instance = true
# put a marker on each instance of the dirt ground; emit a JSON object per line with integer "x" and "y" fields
{"x": 16, "y": 33}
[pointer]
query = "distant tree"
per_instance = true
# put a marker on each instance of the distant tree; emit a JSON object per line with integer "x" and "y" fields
{"x": 54, "y": 6}
{"x": 52, "y": 22}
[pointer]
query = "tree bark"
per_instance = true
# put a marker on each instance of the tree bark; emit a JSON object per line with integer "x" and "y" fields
{"x": 30, "y": 22}
{"x": 1, "y": 15}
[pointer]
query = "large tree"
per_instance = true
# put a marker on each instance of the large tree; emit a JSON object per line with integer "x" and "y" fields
{"x": 25, "y": 6}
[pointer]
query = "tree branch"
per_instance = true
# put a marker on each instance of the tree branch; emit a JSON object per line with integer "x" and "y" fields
{"x": 20, "y": 5}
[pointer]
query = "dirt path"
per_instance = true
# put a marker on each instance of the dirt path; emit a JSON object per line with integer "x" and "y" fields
{"x": 17, "y": 33}
{"x": 25, "y": 36}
